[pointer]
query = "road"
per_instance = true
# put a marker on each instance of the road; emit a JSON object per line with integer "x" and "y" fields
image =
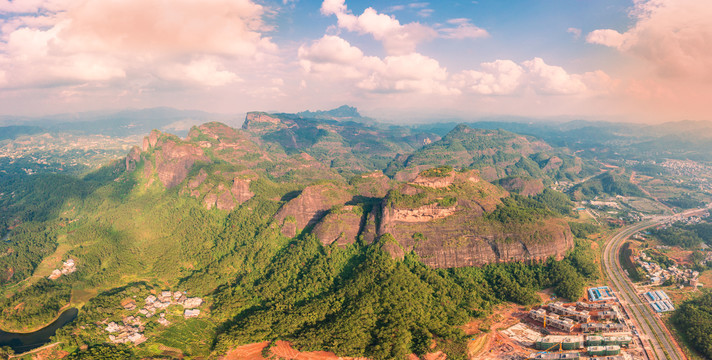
{"x": 651, "y": 329}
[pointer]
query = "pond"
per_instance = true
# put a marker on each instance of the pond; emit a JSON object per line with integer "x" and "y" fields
{"x": 23, "y": 342}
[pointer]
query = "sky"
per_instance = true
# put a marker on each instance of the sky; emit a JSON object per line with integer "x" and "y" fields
{"x": 617, "y": 60}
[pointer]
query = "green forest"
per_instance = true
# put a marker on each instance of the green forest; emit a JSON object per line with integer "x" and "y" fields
{"x": 686, "y": 236}
{"x": 130, "y": 236}
{"x": 694, "y": 320}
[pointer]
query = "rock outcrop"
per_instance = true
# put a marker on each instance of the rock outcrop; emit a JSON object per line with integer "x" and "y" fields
{"x": 457, "y": 234}
{"x": 424, "y": 213}
{"x": 262, "y": 123}
{"x": 310, "y": 206}
{"x": 373, "y": 185}
{"x": 453, "y": 244}
{"x": 133, "y": 158}
{"x": 341, "y": 227}
{"x": 172, "y": 158}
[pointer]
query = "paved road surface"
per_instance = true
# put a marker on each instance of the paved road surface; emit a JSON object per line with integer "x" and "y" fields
{"x": 652, "y": 331}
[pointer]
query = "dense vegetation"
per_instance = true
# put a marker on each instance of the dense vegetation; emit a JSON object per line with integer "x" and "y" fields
{"x": 686, "y": 236}
{"x": 582, "y": 230}
{"x": 693, "y": 319}
{"x": 36, "y": 306}
{"x": 361, "y": 302}
{"x": 610, "y": 183}
{"x": 626, "y": 259}
{"x": 501, "y": 153}
{"x": 129, "y": 236}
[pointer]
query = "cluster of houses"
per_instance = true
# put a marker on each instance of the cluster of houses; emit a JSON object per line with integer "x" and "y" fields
{"x": 168, "y": 298}
{"x": 657, "y": 275}
{"x": 68, "y": 267}
{"x": 131, "y": 329}
{"x": 129, "y": 332}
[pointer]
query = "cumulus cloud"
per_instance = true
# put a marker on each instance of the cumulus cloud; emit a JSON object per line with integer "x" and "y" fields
{"x": 551, "y": 79}
{"x": 65, "y": 41}
{"x": 396, "y": 37}
{"x": 206, "y": 71}
{"x": 606, "y": 37}
{"x": 500, "y": 77}
{"x": 332, "y": 57}
{"x": 675, "y": 36}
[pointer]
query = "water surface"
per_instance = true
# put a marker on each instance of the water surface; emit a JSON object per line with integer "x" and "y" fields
{"x": 23, "y": 342}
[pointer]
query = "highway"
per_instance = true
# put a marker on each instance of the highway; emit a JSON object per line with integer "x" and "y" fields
{"x": 651, "y": 330}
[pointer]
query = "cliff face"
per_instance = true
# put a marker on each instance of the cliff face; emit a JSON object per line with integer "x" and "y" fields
{"x": 341, "y": 227}
{"x": 460, "y": 241}
{"x": 172, "y": 158}
{"x": 455, "y": 233}
{"x": 262, "y": 123}
{"x": 309, "y": 207}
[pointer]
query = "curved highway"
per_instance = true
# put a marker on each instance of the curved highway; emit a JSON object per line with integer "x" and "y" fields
{"x": 651, "y": 330}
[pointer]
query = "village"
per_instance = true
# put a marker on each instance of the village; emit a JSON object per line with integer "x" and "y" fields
{"x": 132, "y": 327}
{"x": 658, "y": 275}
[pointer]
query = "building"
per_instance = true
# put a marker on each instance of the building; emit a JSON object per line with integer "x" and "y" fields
{"x": 607, "y": 315}
{"x": 601, "y": 293}
{"x": 622, "y": 340}
{"x": 659, "y": 301}
{"x": 552, "y": 320}
{"x": 554, "y": 356}
{"x": 593, "y": 306}
{"x": 594, "y": 340}
{"x": 552, "y": 343}
{"x": 599, "y": 328}
{"x": 560, "y": 309}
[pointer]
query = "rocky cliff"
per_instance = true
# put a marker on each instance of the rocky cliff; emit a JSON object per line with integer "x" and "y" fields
{"x": 167, "y": 157}
{"x": 341, "y": 226}
{"x": 309, "y": 207}
{"x": 441, "y": 218}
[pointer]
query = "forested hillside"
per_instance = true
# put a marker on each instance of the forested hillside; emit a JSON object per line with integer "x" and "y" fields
{"x": 283, "y": 241}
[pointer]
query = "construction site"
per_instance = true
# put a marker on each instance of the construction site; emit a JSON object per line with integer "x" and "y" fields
{"x": 593, "y": 329}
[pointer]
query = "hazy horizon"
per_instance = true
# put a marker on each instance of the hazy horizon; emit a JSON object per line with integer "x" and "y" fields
{"x": 639, "y": 61}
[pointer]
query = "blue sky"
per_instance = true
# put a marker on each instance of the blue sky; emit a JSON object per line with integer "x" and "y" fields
{"x": 635, "y": 60}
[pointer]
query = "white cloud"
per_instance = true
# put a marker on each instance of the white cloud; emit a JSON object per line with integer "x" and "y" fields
{"x": 555, "y": 80}
{"x": 674, "y": 36}
{"x": 397, "y": 38}
{"x": 576, "y": 32}
{"x": 606, "y": 37}
{"x": 464, "y": 29}
{"x": 500, "y": 77}
{"x": 206, "y": 71}
{"x": 425, "y": 12}
{"x": 75, "y": 41}
{"x": 332, "y": 58}
{"x": 418, "y": 5}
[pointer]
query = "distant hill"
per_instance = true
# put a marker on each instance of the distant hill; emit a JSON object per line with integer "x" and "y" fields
{"x": 13, "y": 131}
{"x": 496, "y": 154}
{"x": 345, "y": 146}
{"x": 611, "y": 183}
{"x": 342, "y": 113}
